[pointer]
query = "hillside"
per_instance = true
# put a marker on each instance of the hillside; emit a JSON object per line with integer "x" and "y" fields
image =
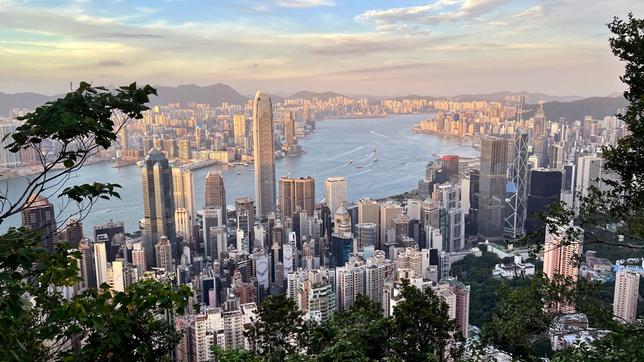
{"x": 214, "y": 94}
{"x": 598, "y": 107}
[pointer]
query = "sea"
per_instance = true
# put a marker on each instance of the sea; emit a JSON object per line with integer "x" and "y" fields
{"x": 379, "y": 157}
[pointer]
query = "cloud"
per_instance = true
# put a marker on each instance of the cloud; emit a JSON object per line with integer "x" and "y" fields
{"x": 429, "y": 14}
{"x": 110, "y": 63}
{"x": 384, "y": 69}
{"x": 125, "y": 35}
{"x": 304, "y": 3}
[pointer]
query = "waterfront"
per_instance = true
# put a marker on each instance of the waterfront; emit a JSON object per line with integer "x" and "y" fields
{"x": 378, "y": 156}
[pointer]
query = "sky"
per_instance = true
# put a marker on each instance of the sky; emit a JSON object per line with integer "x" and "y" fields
{"x": 375, "y": 47}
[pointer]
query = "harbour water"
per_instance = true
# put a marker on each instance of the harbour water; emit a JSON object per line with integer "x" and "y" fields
{"x": 378, "y": 156}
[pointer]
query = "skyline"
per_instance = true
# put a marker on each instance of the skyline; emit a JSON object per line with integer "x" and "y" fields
{"x": 383, "y": 48}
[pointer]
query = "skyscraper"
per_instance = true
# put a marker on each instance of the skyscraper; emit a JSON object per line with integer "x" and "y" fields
{"x": 296, "y": 192}
{"x": 39, "y": 216}
{"x": 516, "y": 188}
{"x": 163, "y": 251}
{"x": 73, "y": 231}
{"x": 183, "y": 189}
{"x": 539, "y": 121}
{"x": 108, "y": 233}
{"x": 245, "y": 210}
{"x": 627, "y": 284}
{"x": 239, "y": 128}
{"x": 335, "y": 191}
{"x": 589, "y": 172}
{"x": 388, "y": 212}
{"x": 8, "y": 158}
{"x": 88, "y": 266}
{"x": 289, "y": 130}
{"x": 158, "y": 201}
{"x": 545, "y": 190}
{"x": 450, "y": 166}
{"x": 215, "y": 197}
{"x": 100, "y": 263}
{"x": 264, "y": 154}
{"x": 492, "y": 183}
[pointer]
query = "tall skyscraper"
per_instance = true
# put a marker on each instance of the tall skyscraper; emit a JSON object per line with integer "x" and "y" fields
{"x": 289, "y": 130}
{"x": 73, "y": 232}
{"x": 110, "y": 233}
{"x": 335, "y": 192}
{"x": 296, "y": 192}
{"x": 158, "y": 201}
{"x": 589, "y": 172}
{"x": 450, "y": 166}
{"x": 239, "y": 128}
{"x": 492, "y": 182}
{"x": 539, "y": 121}
{"x": 516, "y": 188}
{"x": 87, "y": 265}
{"x": 545, "y": 190}
{"x": 245, "y": 210}
{"x": 8, "y": 158}
{"x": 100, "y": 262}
{"x": 388, "y": 212}
{"x": 39, "y": 216}
{"x": 163, "y": 251}
{"x": 264, "y": 154}
{"x": 183, "y": 189}
{"x": 215, "y": 197}
{"x": 366, "y": 235}
{"x": 627, "y": 284}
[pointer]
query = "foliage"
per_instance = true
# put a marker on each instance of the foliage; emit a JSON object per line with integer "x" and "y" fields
{"x": 610, "y": 214}
{"x": 623, "y": 344}
{"x": 278, "y": 330}
{"x": 361, "y": 333}
{"x": 485, "y": 290}
{"x": 43, "y": 316}
{"x": 422, "y": 329}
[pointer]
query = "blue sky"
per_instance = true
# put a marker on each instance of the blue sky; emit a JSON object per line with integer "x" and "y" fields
{"x": 440, "y": 47}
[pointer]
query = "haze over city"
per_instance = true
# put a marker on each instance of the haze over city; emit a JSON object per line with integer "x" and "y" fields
{"x": 381, "y": 48}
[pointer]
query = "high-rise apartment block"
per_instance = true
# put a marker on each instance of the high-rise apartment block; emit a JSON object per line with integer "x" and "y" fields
{"x": 626, "y": 295}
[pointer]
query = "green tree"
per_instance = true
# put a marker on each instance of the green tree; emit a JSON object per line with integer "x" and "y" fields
{"x": 421, "y": 328}
{"x": 611, "y": 216}
{"x": 279, "y": 329}
{"x": 361, "y": 333}
{"x": 37, "y": 323}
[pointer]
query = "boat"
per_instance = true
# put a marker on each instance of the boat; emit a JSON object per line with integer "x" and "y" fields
{"x": 375, "y": 160}
{"x": 238, "y": 173}
{"x": 359, "y": 167}
{"x": 350, "y": 162}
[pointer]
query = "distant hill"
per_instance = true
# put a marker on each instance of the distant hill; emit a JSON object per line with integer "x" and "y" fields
{"x": 598, "y": 107}
{"x": 311, "y": 95}
{"x": 214, "y": 94}
{"x": 21, "y": 100}
{"x": 531, "y": 98}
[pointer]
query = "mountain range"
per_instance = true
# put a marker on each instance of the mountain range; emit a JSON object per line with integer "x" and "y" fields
{"x": 597, "y": 107}
{"x": 555, "y": 106}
